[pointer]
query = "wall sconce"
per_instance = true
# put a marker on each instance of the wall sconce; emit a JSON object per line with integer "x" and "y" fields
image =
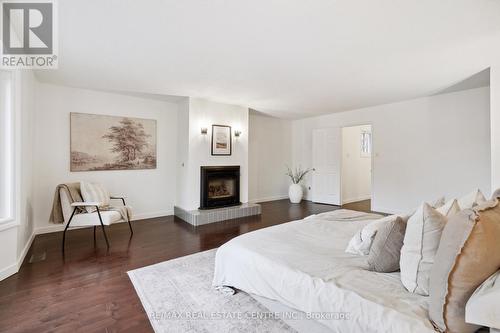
{"x": 204, "y": 130}
{"x": 237, "y": 133}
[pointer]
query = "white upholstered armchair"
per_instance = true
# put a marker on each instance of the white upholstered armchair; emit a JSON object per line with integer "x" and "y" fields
{"x": 76, "y": 216}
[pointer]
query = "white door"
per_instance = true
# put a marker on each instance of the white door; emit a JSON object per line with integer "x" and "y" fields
{"x": 326, "y": 159}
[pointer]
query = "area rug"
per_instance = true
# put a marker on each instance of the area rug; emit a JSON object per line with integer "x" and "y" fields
{"x": 178, "y": 296}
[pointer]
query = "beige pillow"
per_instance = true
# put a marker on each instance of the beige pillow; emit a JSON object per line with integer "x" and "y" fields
{"x": 421, "y": 241}
{"x": 449, "y": 208}
{"x": 468, "y": 254}
{"x": 472, "y": 199}
{"x": 94, "y": 192}
{"x": 386, "y": 247}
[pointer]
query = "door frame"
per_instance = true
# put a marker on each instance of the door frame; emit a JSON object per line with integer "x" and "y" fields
{"x": 372, "y": 164}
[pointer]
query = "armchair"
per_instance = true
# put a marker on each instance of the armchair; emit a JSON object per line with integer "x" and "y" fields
{"x": 85, "y": 219}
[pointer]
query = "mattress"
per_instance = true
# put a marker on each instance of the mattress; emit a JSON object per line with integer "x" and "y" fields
{"x": 303, "y": 265}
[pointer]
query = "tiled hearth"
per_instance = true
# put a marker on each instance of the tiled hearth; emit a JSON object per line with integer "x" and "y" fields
{"x": 200, "y": 217}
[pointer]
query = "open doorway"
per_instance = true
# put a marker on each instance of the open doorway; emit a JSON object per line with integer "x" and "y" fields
{"x": 356, "y": 171}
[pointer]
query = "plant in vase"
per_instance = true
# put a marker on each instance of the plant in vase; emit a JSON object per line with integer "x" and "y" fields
{"x": 295, "y": 191}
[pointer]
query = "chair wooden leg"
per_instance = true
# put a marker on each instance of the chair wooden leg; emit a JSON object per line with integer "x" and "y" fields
{"x": 67, "y": 225}
{"x": 94, "y": 234}
{"x": 102, "y": 225}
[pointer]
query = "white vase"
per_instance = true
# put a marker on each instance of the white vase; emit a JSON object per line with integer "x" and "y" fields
{"x": 295, "y": 193}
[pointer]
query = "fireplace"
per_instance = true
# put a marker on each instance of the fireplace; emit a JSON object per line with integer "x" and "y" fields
{"x": 219, "y": 186}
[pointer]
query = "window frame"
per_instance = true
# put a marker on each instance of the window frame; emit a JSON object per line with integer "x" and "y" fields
{"x": 7, "y": 148}
{"x": 365, "y": 142}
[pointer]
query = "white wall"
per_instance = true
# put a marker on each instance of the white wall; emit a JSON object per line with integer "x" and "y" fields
{"x": 270, "y": 151}
{"x": 423, "y": 148}
{"x": 204, "y": 113}
{"x": 495, "y": 125}
{"x": 150, "y": 192}
{"x": 16, "y": 235}
{"x": 8, "y": 256}
{"x": 182, "y": 180}
{"x": 26, "y": 91}
{"x": 356, "y": 170}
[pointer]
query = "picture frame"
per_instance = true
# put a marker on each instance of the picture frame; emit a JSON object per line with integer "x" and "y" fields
{"x": 97, "y": 143}
{"x": 221, "y": 140}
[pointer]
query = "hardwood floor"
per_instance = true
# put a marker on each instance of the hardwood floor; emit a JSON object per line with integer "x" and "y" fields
{"x": 88, "y": 290}
{"x": 364, "y": 206}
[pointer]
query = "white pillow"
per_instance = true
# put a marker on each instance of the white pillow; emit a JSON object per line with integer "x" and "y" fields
{"x": 93, "y": 192}
{"x": 472, "y": 199}
{"x": 438, "y": 202}
{"x": 449, "y": 208}
{"x": 423, "y": 233}
{"x": 361, "y": 242}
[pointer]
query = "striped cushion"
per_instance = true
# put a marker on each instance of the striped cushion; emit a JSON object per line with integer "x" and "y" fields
{"x": 93, "y": 192}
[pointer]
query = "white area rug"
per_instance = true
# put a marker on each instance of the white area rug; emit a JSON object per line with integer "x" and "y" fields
{"x": 178, "y": 296}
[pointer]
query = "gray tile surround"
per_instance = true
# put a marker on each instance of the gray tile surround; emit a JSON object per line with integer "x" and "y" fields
{"x": 200, "y": 217}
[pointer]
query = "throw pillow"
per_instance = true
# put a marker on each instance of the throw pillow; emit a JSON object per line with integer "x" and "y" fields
{"x": 386, "y": 247}
{"x": 468, "y": 254}
{"x": 93, "y": 192}
{"x": 496, "y": 194}
{"x": 449, "y": 208}
{"x": 361, "y": 242}
{"x": 472, "y": 199}
{"x": 421, "y": 241}
{"x": 435, "y": 204}
{"x": 438, "y": 202}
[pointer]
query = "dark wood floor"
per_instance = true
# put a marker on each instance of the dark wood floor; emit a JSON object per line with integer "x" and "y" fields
{"x": 89, "y": 291}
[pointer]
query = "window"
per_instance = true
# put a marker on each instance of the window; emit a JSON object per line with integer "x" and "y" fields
{"x": 6, "y": 147}
{"x": 366, "y": 144}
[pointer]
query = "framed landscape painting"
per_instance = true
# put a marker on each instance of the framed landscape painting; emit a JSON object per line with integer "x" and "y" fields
{"x": 221, "y": 140}
{"x": 101, "y": 142}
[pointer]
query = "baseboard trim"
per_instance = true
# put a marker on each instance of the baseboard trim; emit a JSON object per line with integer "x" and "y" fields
{"x": 8, "y": 271}
{"x": 145, "y": 216}
{"x": 14, "y": 268}
{"x": 48, "y": 229}
{"x": 271, "y": 198}
{"x": 365, "y": 197}
{"x": 26, "y": 248}
{"x": 379, "y": 209}
{"x": 60, "y": 227}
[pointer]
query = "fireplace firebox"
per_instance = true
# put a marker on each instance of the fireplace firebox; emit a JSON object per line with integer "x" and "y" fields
{"x": 219, "y": 186}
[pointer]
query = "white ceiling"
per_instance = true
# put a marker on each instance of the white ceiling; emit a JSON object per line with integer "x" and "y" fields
{"x": 287, "y": 58}
{"x": 478, "y": 80}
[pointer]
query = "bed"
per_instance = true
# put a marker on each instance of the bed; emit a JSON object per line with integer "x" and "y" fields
{"x": 302, "y": 265}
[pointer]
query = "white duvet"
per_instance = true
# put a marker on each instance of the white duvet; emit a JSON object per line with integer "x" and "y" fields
{"x": 302, "y": 264}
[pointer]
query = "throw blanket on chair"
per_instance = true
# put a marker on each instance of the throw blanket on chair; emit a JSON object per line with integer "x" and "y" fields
{"x": 74, "y": 195}
{"x": 125, "y": 211}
